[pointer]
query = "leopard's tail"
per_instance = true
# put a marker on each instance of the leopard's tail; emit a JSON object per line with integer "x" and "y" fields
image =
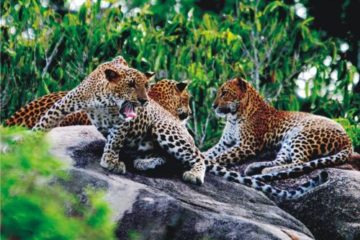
{"x": 31, "y": 113}
{"x": 339, "y": 158}
{"x": 266, "y": 188}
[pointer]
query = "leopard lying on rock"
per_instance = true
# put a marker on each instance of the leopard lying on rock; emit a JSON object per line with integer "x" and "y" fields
{"x": 306, "y": 141}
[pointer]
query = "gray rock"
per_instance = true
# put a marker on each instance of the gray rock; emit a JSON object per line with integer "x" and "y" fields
{"x": 158, "y": 205}
{"x": 332, "y": 211}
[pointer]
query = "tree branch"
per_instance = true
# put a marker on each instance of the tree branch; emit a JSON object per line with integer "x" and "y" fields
{"x": 52, "y": 55}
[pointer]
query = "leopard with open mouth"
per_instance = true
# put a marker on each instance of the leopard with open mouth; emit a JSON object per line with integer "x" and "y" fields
{"x": 111, "y": 96}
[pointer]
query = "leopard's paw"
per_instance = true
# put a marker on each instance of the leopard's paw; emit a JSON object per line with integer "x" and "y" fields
{"x": 189, "y": 176}
{"x": 148, "y": 163}
{"x": 113, "y": 165}
{"x": 119, "y": 167}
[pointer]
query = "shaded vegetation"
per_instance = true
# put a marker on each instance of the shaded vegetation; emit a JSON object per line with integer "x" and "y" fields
{"x": 352, "y": 130}
{"x": 33, "y": 209}
{"x": 46, "y": 49}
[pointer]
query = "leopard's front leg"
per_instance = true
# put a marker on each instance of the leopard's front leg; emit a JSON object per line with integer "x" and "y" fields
{"x": 115, "y": 141}
{"x": 227, "y": 140}
{"x": 179, "y": 144}
{"x": 216, "y": 150}
{"x": 196, "y": 174}
{"x": 234, "y": 155}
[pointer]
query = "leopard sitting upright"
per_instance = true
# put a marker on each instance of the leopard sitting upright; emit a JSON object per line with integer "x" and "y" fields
{"x": 168, "y": 93}
{"x": 306, "y": 141}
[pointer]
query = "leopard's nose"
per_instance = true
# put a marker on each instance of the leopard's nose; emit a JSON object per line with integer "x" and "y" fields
{"x": 183, "y": 116}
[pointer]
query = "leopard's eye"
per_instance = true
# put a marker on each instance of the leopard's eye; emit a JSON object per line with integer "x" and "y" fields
{"x": 223, "y": 93}
{"x": 132, "y": 84}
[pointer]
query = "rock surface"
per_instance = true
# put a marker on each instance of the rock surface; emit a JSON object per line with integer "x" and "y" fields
{"x": 333, "y": 210}
{"x": 161, "y": 206}
{"x": 158, "y": 205}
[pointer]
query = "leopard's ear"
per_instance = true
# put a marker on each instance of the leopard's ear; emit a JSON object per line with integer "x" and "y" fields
{"x": 112, "y": 76}
{"x": 120, "y": 61}
{"x": 181, "y": 86}
{"x": 241, "y": 83}
{"x": 149, "y": 75}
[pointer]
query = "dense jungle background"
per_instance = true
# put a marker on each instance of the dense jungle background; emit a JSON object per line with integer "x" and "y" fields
{"x": 301, "y": 55}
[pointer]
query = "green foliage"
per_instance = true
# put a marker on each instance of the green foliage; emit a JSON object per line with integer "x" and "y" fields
{"x": 352, "y": 130}
{"x": 264, "y": 42}
{"x": 33, "y": 209}
{"x": 133, "y": 235}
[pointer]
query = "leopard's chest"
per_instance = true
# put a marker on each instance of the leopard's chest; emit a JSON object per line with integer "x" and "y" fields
{"x": 139, "y": 130}
{"x": 104, "y": 118}
{"x": 231, "y": 134}
{"x": 134, "y": 138}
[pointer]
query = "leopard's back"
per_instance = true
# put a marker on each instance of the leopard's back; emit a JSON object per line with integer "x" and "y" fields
{"x": 31, "y": 113}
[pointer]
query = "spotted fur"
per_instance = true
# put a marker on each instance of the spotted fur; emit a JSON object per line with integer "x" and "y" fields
{"x": 305, "y": 141}
{"x": 170, "y": 94}
{"x": 269, "y": 190}
{"x": 31, "y": 113}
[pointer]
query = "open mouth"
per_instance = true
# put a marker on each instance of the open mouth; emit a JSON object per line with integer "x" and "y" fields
{"x": 128, "y": 111}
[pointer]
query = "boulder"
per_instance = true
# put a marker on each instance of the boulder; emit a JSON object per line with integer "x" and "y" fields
{"x": 331, "y": 211}
{"x": 159, "y": 205}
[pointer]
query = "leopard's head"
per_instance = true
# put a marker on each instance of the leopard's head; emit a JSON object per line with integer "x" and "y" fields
{"x": 230, "y": 96}
{"x": 184, "y": 109}
{"x": 120, "y": 85}
{"x": 173, "y": 96}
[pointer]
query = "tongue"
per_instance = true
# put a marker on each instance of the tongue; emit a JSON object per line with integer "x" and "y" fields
{"x": 129, "y": 113}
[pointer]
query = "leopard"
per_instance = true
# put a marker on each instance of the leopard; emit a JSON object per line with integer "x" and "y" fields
{"x": 116, "y": 102}
{"x": 170, "y": 94}
{"x": 114, "y": 97}
{"x": 303, "y": 141}
{"x": 174, "y": 98}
